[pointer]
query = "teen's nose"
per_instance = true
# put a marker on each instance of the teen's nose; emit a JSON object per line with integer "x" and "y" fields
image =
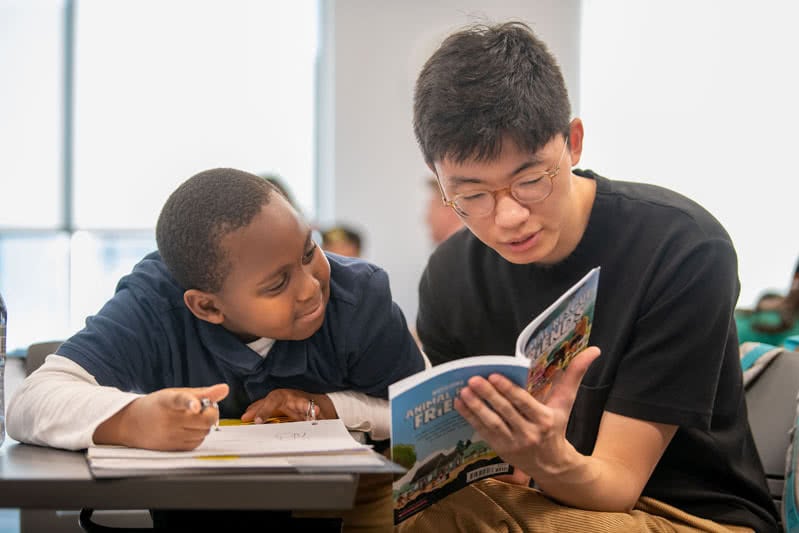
{"x": 508, "y": 212}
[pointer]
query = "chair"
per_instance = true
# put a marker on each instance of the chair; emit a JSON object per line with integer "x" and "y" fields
{"x": 36, "y": 354}
{"x": 69, "y": 521}
{"x": 771, "y": 402}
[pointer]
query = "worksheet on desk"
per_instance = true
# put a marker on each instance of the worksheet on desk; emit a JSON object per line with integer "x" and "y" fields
{"x": 288, "y": 438}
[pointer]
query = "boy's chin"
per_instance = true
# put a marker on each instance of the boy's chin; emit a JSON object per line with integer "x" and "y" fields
{"x": 305, "y": 331}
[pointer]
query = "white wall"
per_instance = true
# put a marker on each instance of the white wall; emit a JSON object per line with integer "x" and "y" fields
{"x": 380, "y": 46}
{"x": 701, "y": 97}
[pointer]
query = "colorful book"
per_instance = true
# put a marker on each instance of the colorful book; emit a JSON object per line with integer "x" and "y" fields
{"x": 441, "y": 451}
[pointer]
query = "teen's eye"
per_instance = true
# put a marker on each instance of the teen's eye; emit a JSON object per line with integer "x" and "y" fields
{"x": 530, "y": 183}
{"x": 308, "y": 256}
{"x": 474, "y": 196}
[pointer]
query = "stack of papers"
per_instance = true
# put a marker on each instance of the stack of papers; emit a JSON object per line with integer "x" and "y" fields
{"x": 322, "y": 446}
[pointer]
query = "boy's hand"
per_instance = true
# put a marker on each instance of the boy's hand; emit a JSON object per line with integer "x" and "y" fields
{"x": 168, "y": 419}
{"x": 290, "y": 402}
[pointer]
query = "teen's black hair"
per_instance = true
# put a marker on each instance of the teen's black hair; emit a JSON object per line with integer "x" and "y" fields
{"x": 483, "y": 85}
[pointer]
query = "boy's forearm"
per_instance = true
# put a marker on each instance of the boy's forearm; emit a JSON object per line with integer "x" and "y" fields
{"x": 327, "y": 410}
{"x": 61, "y": 405}
{"x": 113, "y": 429}
{"x": 362, "y": 412}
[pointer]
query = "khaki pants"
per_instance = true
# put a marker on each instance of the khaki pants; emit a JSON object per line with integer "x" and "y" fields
{"x": 494, "y": 506}
{"x": 373, "y": 511}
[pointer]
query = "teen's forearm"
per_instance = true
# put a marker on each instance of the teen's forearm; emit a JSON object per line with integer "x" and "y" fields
{"x": 591, "y": 483}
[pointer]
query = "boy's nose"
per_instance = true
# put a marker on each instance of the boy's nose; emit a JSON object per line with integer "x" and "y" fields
{"x": 310, "y": 285}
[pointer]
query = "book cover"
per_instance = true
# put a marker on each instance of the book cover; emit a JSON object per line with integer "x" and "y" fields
{"x": 439, "y": 448}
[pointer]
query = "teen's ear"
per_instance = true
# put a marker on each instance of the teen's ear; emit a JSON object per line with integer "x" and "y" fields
{"x": 203, "y": 305}
{"x": 575, "y": 141}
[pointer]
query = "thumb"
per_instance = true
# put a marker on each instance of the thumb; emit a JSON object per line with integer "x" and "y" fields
{"x": 565, "y": 391}
{"x": 182, "y": 400}
{"x": 214, "y": 393}
{"x": 189, "y": 398}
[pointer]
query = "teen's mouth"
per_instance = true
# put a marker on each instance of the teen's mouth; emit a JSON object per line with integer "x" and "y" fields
{"x": 524, "y": 243}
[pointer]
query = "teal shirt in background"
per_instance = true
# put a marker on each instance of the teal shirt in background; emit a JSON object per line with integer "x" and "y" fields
{"x": 746, "y": 320}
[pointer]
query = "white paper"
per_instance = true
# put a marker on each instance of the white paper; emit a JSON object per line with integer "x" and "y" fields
{"x": 287, "y": 438}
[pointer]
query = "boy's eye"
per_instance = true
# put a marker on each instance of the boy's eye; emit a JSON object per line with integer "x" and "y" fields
{"x": 279, "y": 285}
{"x": 309, "y": 254}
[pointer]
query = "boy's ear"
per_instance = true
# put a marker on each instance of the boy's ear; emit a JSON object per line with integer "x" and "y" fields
{"x": 203, "y": 305}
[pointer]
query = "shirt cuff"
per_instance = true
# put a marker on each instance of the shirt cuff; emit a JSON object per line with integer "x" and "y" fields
{"x": 361, "y": 412}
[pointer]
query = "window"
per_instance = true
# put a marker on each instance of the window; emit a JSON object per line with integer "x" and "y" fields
{"x": 116, "y": 102}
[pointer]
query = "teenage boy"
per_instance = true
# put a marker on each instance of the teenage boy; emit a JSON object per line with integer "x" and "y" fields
{"x": 652, "y": 434}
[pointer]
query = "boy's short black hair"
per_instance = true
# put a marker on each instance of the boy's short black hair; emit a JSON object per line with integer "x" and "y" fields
{"x": 198, "y": 214}
{"x": 485, "y": 83}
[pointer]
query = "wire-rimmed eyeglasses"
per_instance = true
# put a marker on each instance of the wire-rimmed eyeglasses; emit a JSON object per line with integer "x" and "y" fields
{"x": 527, "y": 189}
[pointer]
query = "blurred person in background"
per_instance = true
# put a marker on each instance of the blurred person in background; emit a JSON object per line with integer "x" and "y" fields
{"x": 281, "y": 186}
{"x": 440, "y": 219}
{"x": 342, "y": 240}
{"x": 774, "y": 319}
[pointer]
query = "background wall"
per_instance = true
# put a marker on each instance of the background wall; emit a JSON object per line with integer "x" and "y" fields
{"x": 699, "y": 97}
{"x": 379, "y": 172}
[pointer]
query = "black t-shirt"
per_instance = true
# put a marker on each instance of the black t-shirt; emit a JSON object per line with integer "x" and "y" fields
{"x": 663, "y": 320}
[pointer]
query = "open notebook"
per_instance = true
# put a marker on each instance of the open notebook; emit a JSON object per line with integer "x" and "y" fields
{"x": 323, "y": 446}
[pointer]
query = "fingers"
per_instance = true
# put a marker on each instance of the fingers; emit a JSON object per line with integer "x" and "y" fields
{"x": 215, "y": 393}
{"x": 191, "y": 410}
{"x": 182, "y": 400}
{"x": 473, "y": 404}
{"x": 190, "y": 399}
{"x": 519, "y": 403}
{"x": 564, "y": 393}
{"x": 264, "y": 408}
{"x": 252, "y": 410}
{"x": 290, "y": 402}
{"x": 579, "y": 366}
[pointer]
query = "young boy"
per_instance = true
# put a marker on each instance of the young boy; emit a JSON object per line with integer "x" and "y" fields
{"x": 239, "y": 306}
{"x": 653, "y": 434}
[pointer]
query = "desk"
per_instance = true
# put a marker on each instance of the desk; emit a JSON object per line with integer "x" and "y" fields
{"x": 35, "y": 479}
{"x": 32, "y": 477}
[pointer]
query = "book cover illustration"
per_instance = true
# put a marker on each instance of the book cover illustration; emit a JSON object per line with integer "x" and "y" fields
{"x": 556, "y": 336}
{"x": 438, "y": 447}
{"x": 441, "y": 451}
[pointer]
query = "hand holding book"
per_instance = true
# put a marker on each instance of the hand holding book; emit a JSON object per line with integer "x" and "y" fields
{"x": 525, "y": 432}
{"x": 476, "y": 417}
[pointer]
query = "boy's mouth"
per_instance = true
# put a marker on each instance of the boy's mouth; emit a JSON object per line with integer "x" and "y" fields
{"x": 313, "y": 312}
